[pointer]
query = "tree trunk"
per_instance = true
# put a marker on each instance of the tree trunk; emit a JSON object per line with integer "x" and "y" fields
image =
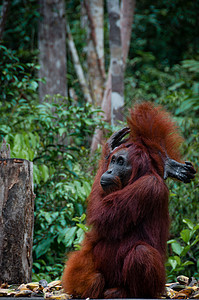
{"x": 117, "y": 68}
{"x": 95, "y": 50}
{"x": 106, "y": 108}
{"x": 16, "y": 220}
{"x": 4, "y": 13}
{"x": 127, "y": 14}
{"x": 52, "y": 48}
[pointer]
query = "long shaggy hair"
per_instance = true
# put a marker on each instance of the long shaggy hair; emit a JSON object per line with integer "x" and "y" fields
{"x": 124, "y": 253}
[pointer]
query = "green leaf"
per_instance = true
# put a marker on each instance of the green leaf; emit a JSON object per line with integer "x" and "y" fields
{"x": 33, "y": 85}
{"x": 177, "y": 258}
{"x": 172, "y": 195}
{"x": 176, "y": 247}
{"x": 44, "y": 172}
{"x": 171, "y": 241}
{"x": 187, "y": 263}
{"x": 176, "y": 86}
{"x": 83, "y": 217}
{"x": 196, "y": 228}
{"x": 172, "y": 262}
{"x": 185, "y": 250}
{"x": 47, "y": 216}
{"x": 83, "y": 227}
{"x": 5, "y": 129}
{"x": 17, "y": 141}
{"x": 185, "y": 235}
{"x": 43, "y": 247}
{"x": 70, "y": 236}
{"x": 87, "y": 188}
{"x": 61, "y": 235}
{"x": 62, "y": 131}
{"x": 37, "y": 265}
{"x": 36, "y": 174}
{"x": 189, "y": 223}
{"x": 31, "y": 154}
{"x": 80, "y": 235}
{"x": 191, "y": 64}
{"x": 195, "y": 241}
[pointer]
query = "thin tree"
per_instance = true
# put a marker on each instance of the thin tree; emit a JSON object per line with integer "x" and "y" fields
{"x": 52, "y": 48}
{"x": 95, "y": 49}
{"x": 3, "y": 17}
{"x": 117, "y": 68}
{"x": 127, "y": 14}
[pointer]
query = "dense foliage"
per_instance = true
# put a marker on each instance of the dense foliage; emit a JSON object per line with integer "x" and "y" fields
{"x": 56, "y": 138}
{"x": 163, "y": 67}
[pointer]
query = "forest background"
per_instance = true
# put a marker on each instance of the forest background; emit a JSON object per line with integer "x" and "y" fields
{"x": 57, "y": 76}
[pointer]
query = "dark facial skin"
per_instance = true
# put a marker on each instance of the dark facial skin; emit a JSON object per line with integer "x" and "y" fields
{"x": 118, "y": 173}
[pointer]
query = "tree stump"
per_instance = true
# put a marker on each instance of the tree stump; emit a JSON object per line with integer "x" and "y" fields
{"x": 16, "y": 219}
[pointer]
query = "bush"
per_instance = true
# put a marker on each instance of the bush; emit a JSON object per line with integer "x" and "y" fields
{"x": 56, "y": 137}
{"x": 185, "y": 253}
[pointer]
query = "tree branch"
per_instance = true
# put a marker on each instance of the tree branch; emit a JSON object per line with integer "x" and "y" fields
{"x": 77, "y": 65}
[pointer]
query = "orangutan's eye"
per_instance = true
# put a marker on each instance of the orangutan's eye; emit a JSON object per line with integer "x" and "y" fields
{"x": 120, "y": 161}
{"x": 113, "y": 160}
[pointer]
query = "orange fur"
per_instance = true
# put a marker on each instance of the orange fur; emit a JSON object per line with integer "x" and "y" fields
{"x": 123, "y": 255}
{"x": 88, "y": 283}
{"x": 153, "y": 127}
